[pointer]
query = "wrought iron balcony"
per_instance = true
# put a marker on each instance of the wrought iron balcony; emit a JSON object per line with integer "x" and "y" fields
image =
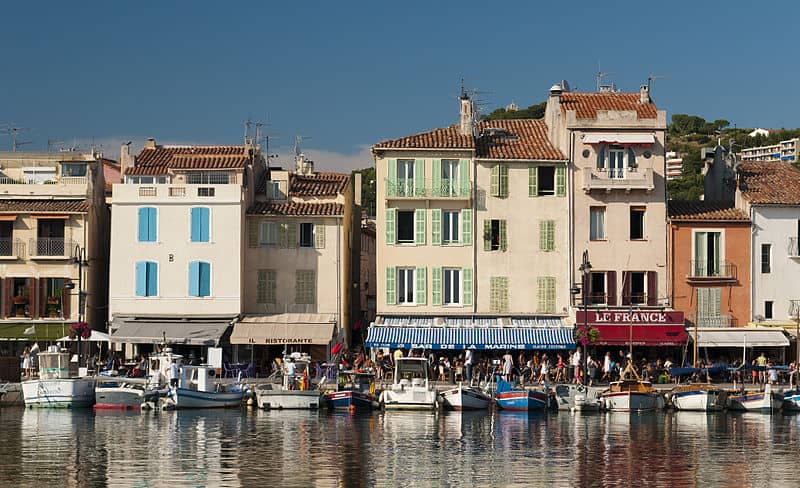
{"x": 411, "y": 190}
{"x": 718, "y": 320}
{"x": 11, "y": 248}
{"x": 618, "y": 179}
{"x": 703, "y": 270}
{"x": 50, "y": 247}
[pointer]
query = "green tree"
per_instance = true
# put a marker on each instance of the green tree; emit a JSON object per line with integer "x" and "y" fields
{"x": 532, "y": 112}
{"x": 367, "y": 190}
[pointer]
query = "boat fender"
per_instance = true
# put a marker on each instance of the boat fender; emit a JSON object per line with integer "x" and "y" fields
{"x": 581, "y": 388}
{"x": 146, "y": 406}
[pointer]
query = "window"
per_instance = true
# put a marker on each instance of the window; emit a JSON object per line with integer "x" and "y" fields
{"x": 597, "y": 288}
{"x": 405, "y": 177}
{"x": 199, "y": 279}
{"x": 306, "y": 234}
{"x": 200, "y": 224}
{"x": 305, "y": 287}
{"x": 148, "y": 222}
{"x": 707, "y": 254}
{"x": 547, "y": 230}
{"x": 51, "y": 301}
{"x": 616, "y": 162}
{"x": 268, "y": 234}
{"x": 547, "y": 294}
{"x": 450, "y": 232}
{"x": 50, "y": 241}
{"x": 637, "y": 223}
{"x": 405, "y": 286}
{"x": 267, "y": 286}
{"x": 766, "y": 258}
{"x": 494, "y": 235}
{"x": 597, "y": 223}
{"x": 450, "y": 177}
{"x": 498, "y": 294}
{"x": 207, "y": 178}
{"x": 146, "y": 180}
{"x": 499, "y": 181}
{"x": 275, "y": 190}
{"x": 146, "y": 279}
{"x": 405, "y": 226}
{"x": 73, "y": 169}
{"x": 768, "y": 309}
{"x": 452, "y": 286}
{"x": 709, "y": 306}
{"x": 546, "y": 180}
{"x": 637, "y": 290}
{"x": 205, "y": 191}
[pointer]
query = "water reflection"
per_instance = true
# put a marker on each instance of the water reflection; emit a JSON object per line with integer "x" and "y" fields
{"x": 286, "y": 449}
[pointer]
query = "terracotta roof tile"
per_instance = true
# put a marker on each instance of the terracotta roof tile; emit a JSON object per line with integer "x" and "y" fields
{"x": 44, "y": 206}
{"x": 769, "y": 182}
{"x": 111, "y": 173}
{"x": 701, "y": 210}
{"x": 523, "y": 139}
{"x": 317, "y": 185}
{"x": 274, "y": 208}
{"x": 152, "y": 161}
{"x": 586, "y": 105}
{"x": 444, "y": 138}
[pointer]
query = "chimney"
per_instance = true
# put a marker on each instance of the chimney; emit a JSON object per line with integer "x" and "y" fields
{"x": 552, "y": 114}
{"x": 467, "y": 126}
{"x": 644, "y": 94}
{"x": 303, "y": 166}
{"x": 150, "y": 144}
{"x": 125, "y": 157}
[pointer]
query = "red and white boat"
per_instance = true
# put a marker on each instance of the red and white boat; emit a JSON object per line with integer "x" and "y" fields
{"x": 466, "y": 398}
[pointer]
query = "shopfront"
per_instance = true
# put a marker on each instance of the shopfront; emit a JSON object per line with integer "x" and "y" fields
{"x": 654, "y": 334}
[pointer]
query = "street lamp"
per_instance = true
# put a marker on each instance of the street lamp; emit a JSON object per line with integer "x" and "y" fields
{"x": 79, "y": 258}
{"x": 585, "y": 269}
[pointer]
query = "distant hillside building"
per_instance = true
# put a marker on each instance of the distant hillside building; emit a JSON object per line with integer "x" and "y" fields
{"x": 674, "y": 166}
{"x": 782, "y": 151}
{"x": 759, "y": 132}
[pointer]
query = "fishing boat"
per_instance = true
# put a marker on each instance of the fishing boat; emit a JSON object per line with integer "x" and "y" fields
{"x": 55, "y": 387}
{"x": 355, "y": 391}
{"x": 519, "y": 399}
{"x": 466, "y": 398}
{"x": 412, "y": 388}
{"x": 631, "y": 395}
{"x": 126, "y": 393}
{"x": 791, "y": 401}
{"x": 290, "y": 394}
{"x": 576, "y": 397}
{"x": 756, "y": 401}
{"x": 197, "y": 389}
{"x": 702, "y": 397}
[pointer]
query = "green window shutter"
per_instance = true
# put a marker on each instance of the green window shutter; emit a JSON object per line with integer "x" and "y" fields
{"x": 436, "y": 178}
{"x": 436, "y": 227}
{"x": 503, "y": 236}
{"x": 261, "y": 287}
{"x": 319, "y": 236}
{"x": 272, "y": 287}
{"x": 421, "y": 295}
{"x": 540, "y": 295}
{"x": 466, "y": 286}
{"x": 419, "y": 177}
{"x": 542, "y": 235}
{"x": 391, "y": 280}
{"x": 436, "y": 286}
{"x": 601, "y": 158}
{"x": 391, "y": 228}
{"x": 487, "y": 235}
{"x": 533, "y": 181}
{"x": 463, "y": 176}
{"x": 252, "y": 233}
{"x": 551, "y": 294}
{"x": 503, "y": 181}
{"x": 702, "y": 302}
{"x": 561, "y": 181}
{"x": 495, "y": 186}
{"x": 546, "y": 294}
{"x": 466, "y": 227}
{"x": 282, "y": 235}
{"x": 547, "y": 235}
{"x": 498, "y": 294}
{"x": 391, "y": 181}
{"x": 420, "y": 229}
{"x": 291, "y": 235}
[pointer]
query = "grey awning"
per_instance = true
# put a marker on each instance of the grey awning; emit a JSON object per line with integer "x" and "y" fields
{"x": 288, "y": 328}
{"x": 742, "y": 337}
{"x": 196, "y": 332}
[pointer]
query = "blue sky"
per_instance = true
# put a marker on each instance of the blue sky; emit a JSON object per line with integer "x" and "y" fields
{"x": 349, "y": 74}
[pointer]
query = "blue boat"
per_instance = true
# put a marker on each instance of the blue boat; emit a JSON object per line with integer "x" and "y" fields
{"x": 519, "y": 399}
{"x": 355, "y": 392}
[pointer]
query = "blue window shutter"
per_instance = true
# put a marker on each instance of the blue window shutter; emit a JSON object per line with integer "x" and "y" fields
{"x": 152, "y": 278}
{"x": 194, "y": 279}
{"x": 141, "y": 278}
{"x": 200, "y": 224}
{"x": 205, "y": 279}
{"x": 144, "y": 227}
{"x": 205, "y": 224}
{"x": 196, "y": 224}
{"x": 152, "y": 223}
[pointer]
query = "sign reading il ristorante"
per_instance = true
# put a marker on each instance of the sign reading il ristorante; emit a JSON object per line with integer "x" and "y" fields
{"x": 625, "y": 317}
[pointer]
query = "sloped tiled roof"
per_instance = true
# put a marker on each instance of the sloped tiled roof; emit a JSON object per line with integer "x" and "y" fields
{"x": 586, "y": 105}
{"x": 443, "y": 138}
{"x": 158, "y": 160}
{"x": 769, "y": 182}
{"x": 111, "y": 173}
{"x": 526, "y": 139}
{"x": 291, "y": 208}
{"x": 701, "y": 210}
{"x": 43, "y": 206}
{"x": 317, "y": 185}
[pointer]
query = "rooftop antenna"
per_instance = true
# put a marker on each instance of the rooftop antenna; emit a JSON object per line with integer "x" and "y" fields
{"x": 51, "y": 143}
{"x": 297, "y": 141}
{"x": 651, "y": 80}
{"x": 12, "y": 133}
{"x": 604, "y": 87}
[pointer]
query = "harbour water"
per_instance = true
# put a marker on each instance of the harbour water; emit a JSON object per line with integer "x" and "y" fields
{"x": 294, "y": 448}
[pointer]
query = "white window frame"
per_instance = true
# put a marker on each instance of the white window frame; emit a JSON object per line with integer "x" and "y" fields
{"x": 455, "y": 299}
{"x": 721, "y": 233}
{"x": 455, "y": 235}
{"x": 621, "y": 157}
{"x": 452, "y": 166}
{"x": 592, "y": 211}
{"x": 413, "y": 229}
{"x": 405, "y": 176}
{"x": 263, "y": 234}
{"x": 406, "y": 276}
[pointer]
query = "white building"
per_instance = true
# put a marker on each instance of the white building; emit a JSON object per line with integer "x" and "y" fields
{"x": 782, "y": 151}
{"x": 674, "y": 166}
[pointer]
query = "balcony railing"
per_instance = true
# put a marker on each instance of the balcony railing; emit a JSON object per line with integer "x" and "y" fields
{"x": 706, "y": 270}
{"x": 63, "y": 180}
{"x": 444, "y": 188}
{"x": 634, "y": 299}
{"x": 618, "y": 179}
{"x": 597, "y": 298}
{"x": 718, "y": 320}
{"x": 10, "y": 247}
{"x": 50, "y": 247}
{"x": 794, "y": 247}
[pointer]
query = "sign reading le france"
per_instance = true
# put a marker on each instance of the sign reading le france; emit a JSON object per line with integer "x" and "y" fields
{"x": 624, "y": 317}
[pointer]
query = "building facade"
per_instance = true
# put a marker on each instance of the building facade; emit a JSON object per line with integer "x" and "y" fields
{"x": 782, "y": 151}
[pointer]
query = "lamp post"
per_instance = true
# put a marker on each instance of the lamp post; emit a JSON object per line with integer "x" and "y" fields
{"x": 585, "y": 269}
{"x": 79, "y": 258}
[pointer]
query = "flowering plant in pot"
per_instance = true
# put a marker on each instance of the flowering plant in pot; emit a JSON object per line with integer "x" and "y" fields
{"x": 80, "y": 329}
{"x": 586, "y": 334}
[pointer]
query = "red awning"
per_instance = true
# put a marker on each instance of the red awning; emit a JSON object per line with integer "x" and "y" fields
{"x": 643, "y": 335}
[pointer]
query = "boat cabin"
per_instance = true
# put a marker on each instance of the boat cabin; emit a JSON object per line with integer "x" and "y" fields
{"x": 357, "y": 381}
{"x": 200, "y": 378}
{"x": 415, "y": 371}
{"x": 54, "y": 364}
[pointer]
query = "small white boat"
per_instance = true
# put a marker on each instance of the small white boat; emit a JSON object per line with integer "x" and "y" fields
{"x": 54, "y": 387}
{"x": 196, "y": 389}
{"x": 791, "y": 401}
{"x": 701, "y": 397}
{"x": 124, "y": 393}
{"x": 290, "y": 394}
{"x": 412, "y": 388}
{"x": 632, "y": 396}
{"x": 577, "y": 397}
{"x": 466, "y": 398}
{"x": 756, "y": 401}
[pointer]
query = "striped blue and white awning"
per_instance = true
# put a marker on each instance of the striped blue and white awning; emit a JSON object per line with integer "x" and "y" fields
{"x": 470, "y": 338}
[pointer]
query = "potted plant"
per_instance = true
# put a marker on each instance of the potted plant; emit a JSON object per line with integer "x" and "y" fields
{"x": 22, "y": 298}
{"x": 53, "y": 304}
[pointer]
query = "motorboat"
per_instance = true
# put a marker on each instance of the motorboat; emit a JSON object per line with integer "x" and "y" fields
{"x": 631, "y": 395}
{"x": 756, "y": 401}
{"x": 466, "y": 398}
{"x": 791, "y": 401}
{"x": 126, "y": 393}
{"x": 290, "y": 394}
{"x": 198, "y": 389}
{"x": 702, "y": 397}
{"x": 576, "y": 397}
{"x": 55, "y": 387}
{"x": 355, "y": 391}
{"x": 412, "y": 388}
{"x": 520, "y": 399}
